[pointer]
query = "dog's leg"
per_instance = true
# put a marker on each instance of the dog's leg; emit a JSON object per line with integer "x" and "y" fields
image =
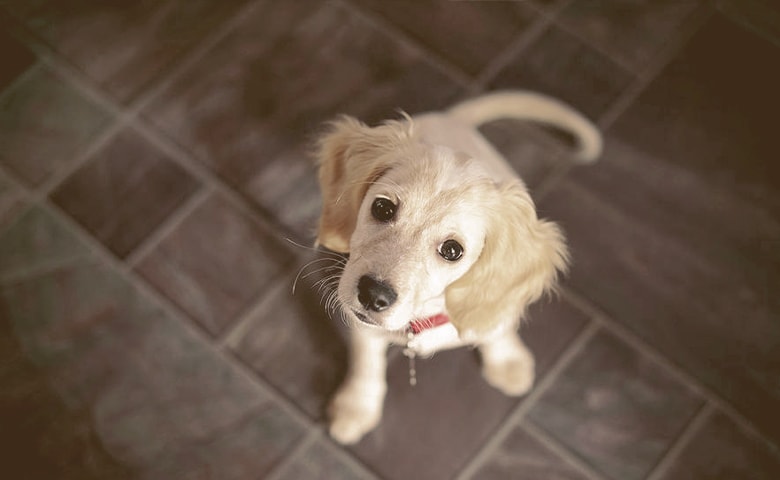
{"x": 357, "y": 406}
{"x": 507, "y": 364}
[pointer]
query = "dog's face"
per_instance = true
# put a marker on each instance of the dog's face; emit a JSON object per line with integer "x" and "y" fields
{"x": 419, "y": 227}
{"x": 428, "y": 232}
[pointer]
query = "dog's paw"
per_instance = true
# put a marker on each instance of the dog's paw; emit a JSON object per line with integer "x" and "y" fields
{"x": 513, "y": 376}
{"x": 352, "y": 416}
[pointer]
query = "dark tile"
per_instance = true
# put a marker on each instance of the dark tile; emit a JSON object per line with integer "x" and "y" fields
{"x": 560, "y": 65}
{"x": 12, "y": 202}
{"x": 678, "y": 280}
{"x": 151, "y": 387}
{"x": 256, "y": 100}
{"x": 632, "y": 32}
{"x": 288, "y": 187}
{"x": 293, "y": 344}
{"x": 616, "y": 409}
{"x": 214, "y": 264}
{"x": 468, "y": 35}
{"x": 676, "y": 223}
{"x": 712, "y": 111}
{"x": 126, "y": 191}
{"x": 37, "y": 241}
{"x": 247, "y": 449}
{"x": 319, "y": 462}
{"x": 722, "y": 450}
{"x": 452, "y": 401}
{"x": 760, "y": 16}
{"x": 43, "y": 123}
{"x": 42, "y": 436}
{"x": 548, "y": 4}
{"x": 549, "y": 327}
{"x": 123, "y": 45}
{"x": 531, "y": 153}
{"x": 16, "y": 59}
{"x": 521, "y": 457}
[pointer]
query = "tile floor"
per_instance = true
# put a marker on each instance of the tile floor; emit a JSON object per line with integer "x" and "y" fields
{"x": 153, "y": 166}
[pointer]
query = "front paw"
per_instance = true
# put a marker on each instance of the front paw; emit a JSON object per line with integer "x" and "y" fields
{"x": 513, "y": 375}
{"x": 353, "y": 412}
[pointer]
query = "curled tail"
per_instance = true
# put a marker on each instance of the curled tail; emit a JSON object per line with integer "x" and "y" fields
{"x": 536, "y": 107}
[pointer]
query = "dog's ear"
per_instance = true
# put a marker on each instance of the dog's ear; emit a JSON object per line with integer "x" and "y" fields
{"x": 351, "y": 157}
{"x": 519, "y": 262}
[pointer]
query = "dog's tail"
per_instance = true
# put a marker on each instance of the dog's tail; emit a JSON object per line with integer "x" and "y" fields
{"x": 524, "y": 105}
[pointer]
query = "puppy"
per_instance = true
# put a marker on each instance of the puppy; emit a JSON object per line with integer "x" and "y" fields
{"x": 445, "y": 248}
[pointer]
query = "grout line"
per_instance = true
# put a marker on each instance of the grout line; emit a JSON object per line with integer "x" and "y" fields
{"x": 748, "y": 18}
{"x": 15, "y": 275}
{"x": 318, "y": 435}
{"x": 341, "y": 452}
{"x": 233, "y": 333}
{"x": 130, "y": 116}
{"x": 682, "y": 441}
{"x": 513, "y": 418}
{"x": 152, "y": 240}
{"x": 297, "y": 452}
{"x": 551, "y": 180}
{"x": 257, "y": 214}
{"x": 190, "y": 58}
{"x": 60, "y": 63}
{"x": 562, "y": 451}
{"x": 546, "y": 17}
{"x": 48, "y": 56}
{"x": 637, "y": 343}
{"x": 22, "y": 195}
{"x": 21, "y": 79}
{"x": 78, "y": 80}
{"x": 101, "y": 253}
{"x": 428, "y": 56}
{"x": 695, "y": 20}
{"x": 512, "y": 51}
{"x": 82, "y": 157}
{"x": 615, "y": 59}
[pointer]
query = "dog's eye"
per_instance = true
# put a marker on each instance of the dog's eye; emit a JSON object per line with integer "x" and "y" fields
{"x": 383, "y": 209}
{"x": 450, "y": 250}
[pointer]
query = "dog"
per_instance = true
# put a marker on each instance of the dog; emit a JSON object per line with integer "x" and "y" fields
{"x": 444, "y": 245}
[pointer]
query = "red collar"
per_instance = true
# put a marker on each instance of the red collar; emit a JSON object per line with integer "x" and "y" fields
{"x": 422, "y": 324}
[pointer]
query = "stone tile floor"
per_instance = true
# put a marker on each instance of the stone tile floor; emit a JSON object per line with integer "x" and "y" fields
{"x": 153, "y": 166}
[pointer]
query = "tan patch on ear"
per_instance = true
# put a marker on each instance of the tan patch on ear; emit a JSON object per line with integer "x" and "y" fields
{"x": 351, "y": 156}
{"x": 518, "y": 264}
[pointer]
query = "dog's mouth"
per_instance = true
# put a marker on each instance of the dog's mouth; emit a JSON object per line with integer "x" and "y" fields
{"x": 369, "y": 321}
{"x": 364, "y": 318}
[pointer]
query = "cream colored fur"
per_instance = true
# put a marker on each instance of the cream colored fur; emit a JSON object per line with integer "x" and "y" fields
{"x": 447, "y": 183}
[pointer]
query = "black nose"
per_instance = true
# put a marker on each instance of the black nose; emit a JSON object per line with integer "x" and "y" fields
{"x": 375, "y": 295}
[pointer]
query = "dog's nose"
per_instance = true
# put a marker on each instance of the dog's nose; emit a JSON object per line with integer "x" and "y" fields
{"x": 375, "y": 295}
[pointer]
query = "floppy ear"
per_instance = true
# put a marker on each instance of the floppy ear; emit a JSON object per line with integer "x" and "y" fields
{"x": 352, "y": 156}
{"x": 519, "y": 262}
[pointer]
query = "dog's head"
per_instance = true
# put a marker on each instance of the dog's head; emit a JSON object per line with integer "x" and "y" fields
{"x": 427, "y": 231}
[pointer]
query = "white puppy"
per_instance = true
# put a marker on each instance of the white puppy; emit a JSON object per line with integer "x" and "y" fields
{"x": 445, "y": 248}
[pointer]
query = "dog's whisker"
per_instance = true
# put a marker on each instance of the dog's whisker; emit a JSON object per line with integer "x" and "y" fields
{"x": 328, "y": 279}
{"x": 319, "y": 270}
{"x": 336, "y": 263}
{"x": 330, "y": 254}
{"x": 304, "y": 247}
{"x": 300, "y": 275}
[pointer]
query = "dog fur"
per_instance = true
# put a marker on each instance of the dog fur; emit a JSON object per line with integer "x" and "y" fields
{"x": 442, "y": 186}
